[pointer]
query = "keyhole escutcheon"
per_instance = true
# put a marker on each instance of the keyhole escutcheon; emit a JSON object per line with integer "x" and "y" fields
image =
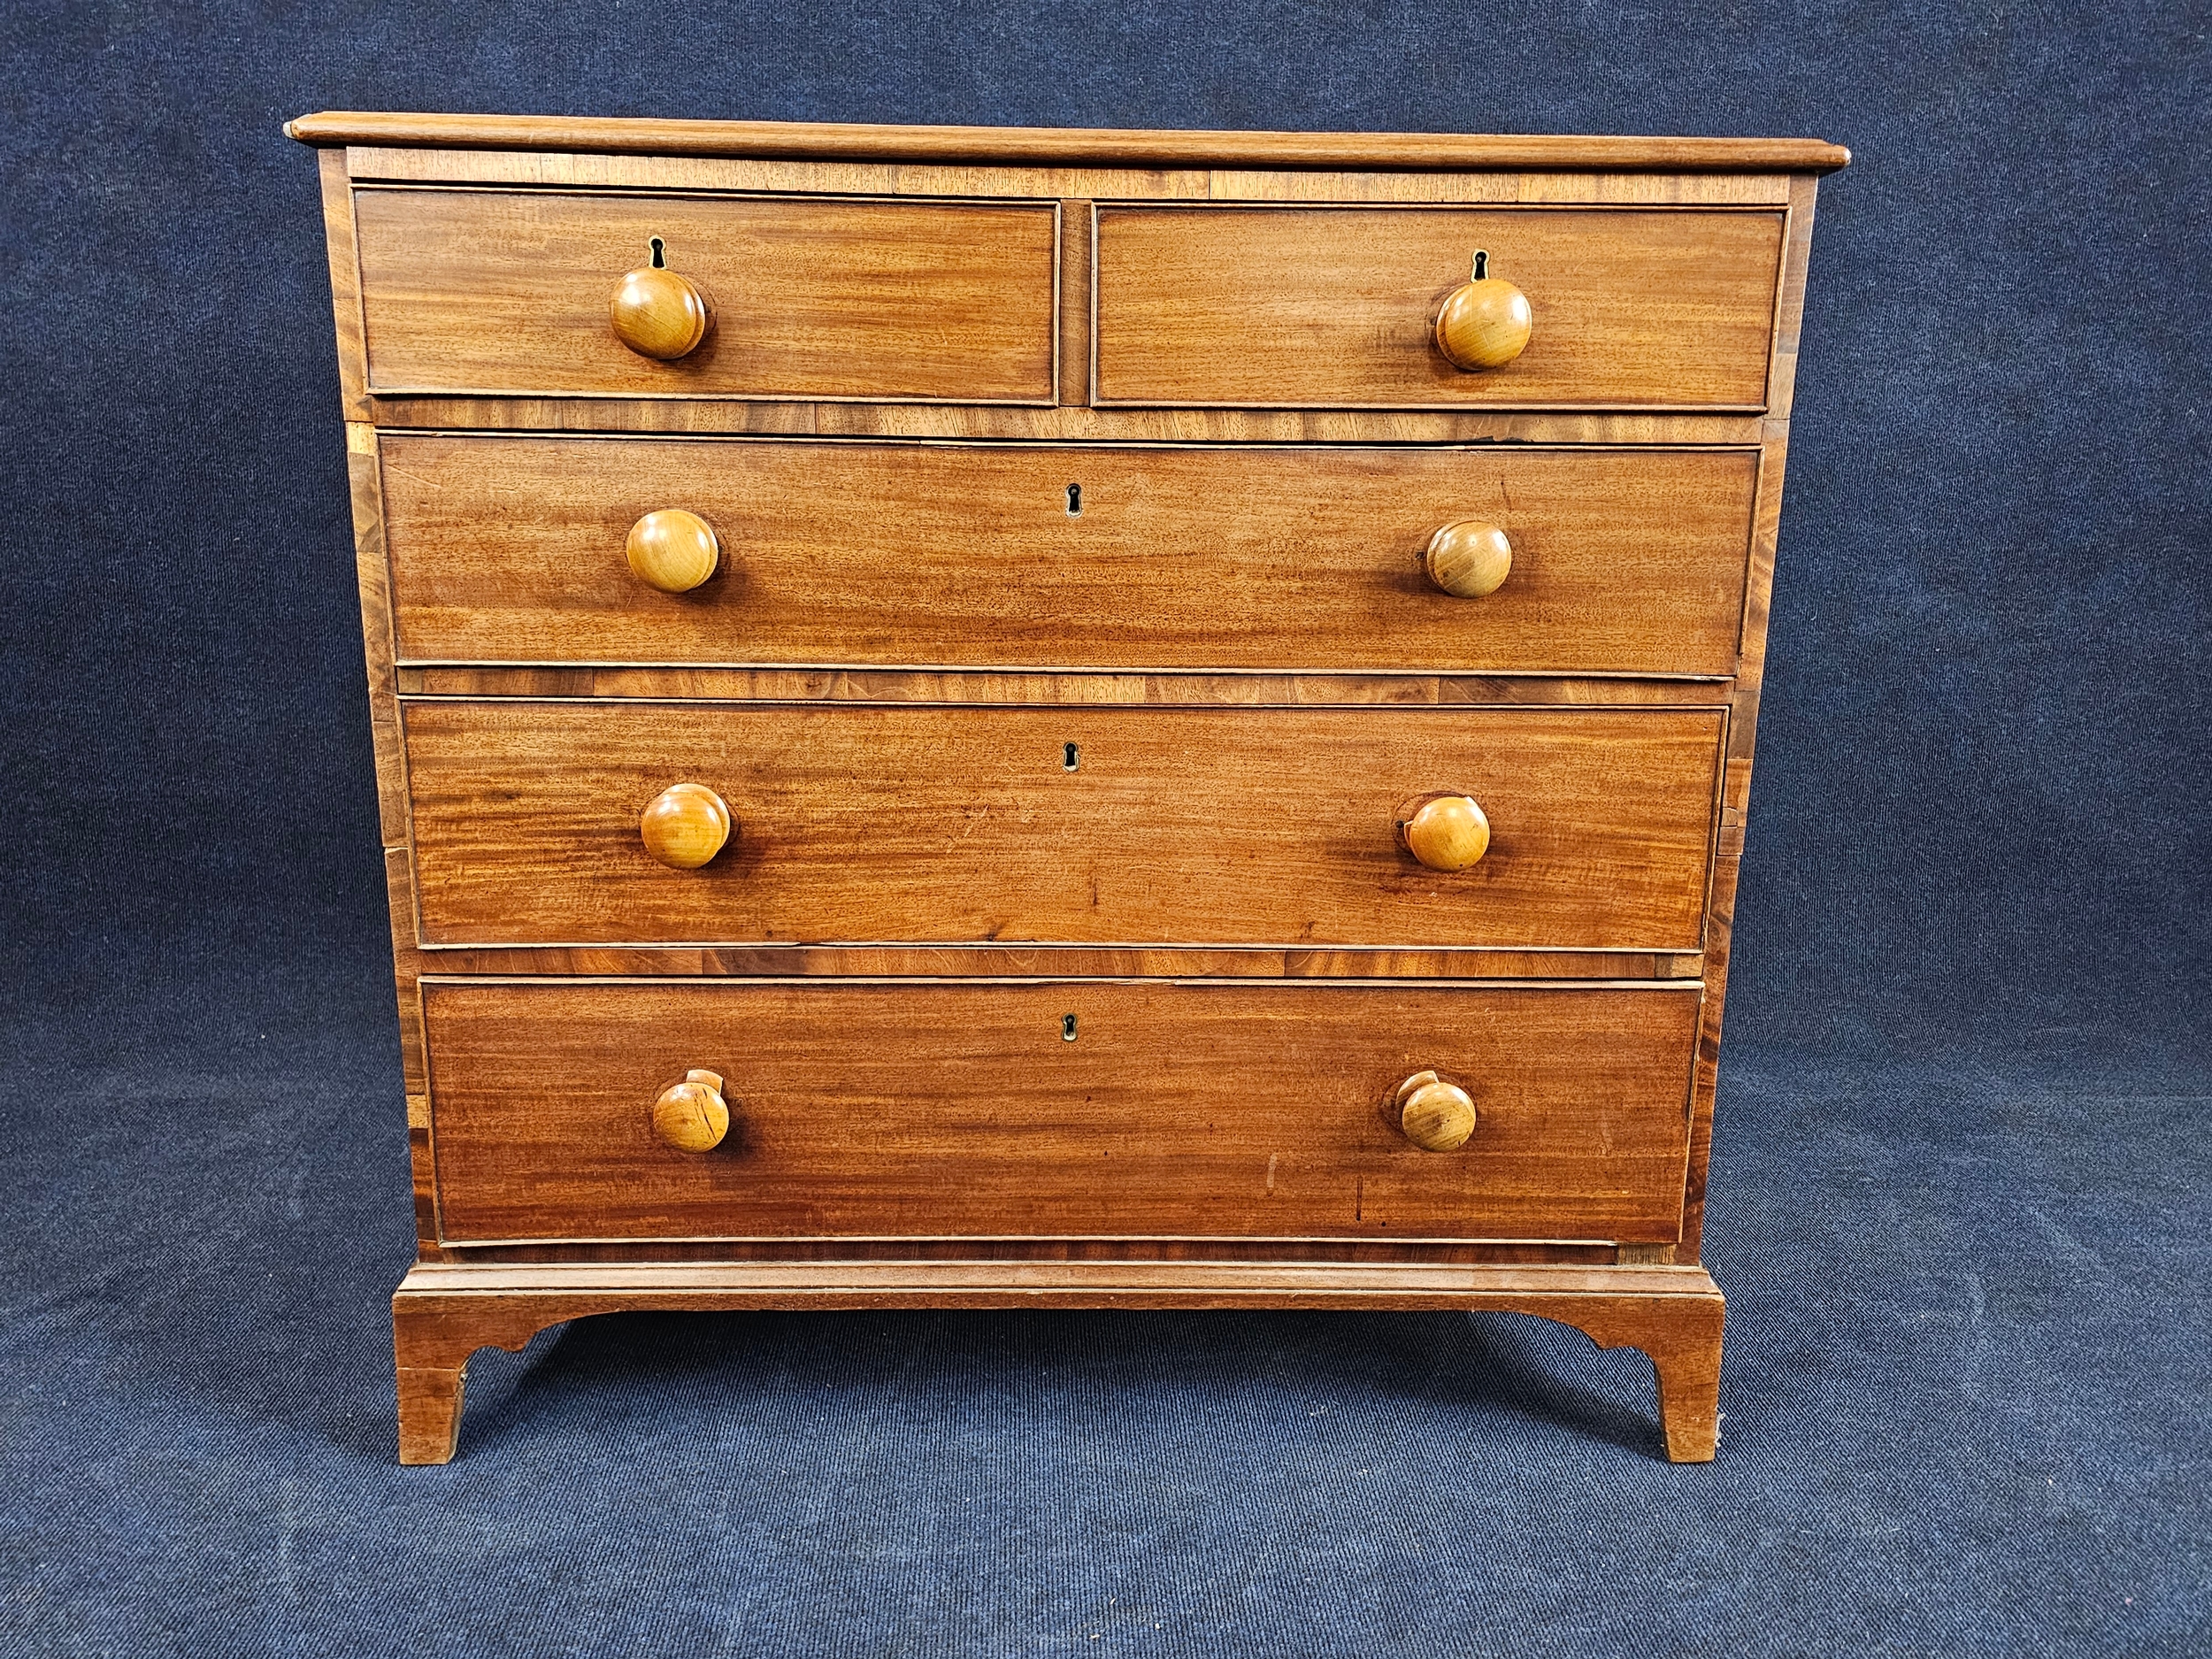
{"x": 1071, "y": 756}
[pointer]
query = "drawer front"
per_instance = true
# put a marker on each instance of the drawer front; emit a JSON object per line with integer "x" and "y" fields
{"x": 863, "y": 824}
{"x": 873, "y": 1108}
{"x": 1333, "y": 306}
{"x": 511, "y": 549}
{"x": 508, "y": 291}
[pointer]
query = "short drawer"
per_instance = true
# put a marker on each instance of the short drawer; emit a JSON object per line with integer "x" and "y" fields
{"x": 512, "y": 549}
{"x": 495, "y": 291}
{"x": 1333, "y": 306}
{"x": 1057, "y": 1109}
{"x": 857, "y": 823}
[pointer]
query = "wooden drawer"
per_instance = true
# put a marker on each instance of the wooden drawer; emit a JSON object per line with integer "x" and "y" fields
{"x": 815, "y": 297}
{"x": 876, "y": 1108}
{"x": 511, "y": 549}
{"x": 935, "y": 824}
{"x": 1332, "y": 306}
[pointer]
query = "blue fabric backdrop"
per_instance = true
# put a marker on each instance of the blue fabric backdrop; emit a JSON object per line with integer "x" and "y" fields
{"x": 1961, "y": 1160}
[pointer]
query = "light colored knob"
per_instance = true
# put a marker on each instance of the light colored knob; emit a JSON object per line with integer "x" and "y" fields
{"x": 686, "y": 825}
{"x": 1467, "y": 559}
{"x": 1444, "y": 831}
{"x": 1484, "y": 322}
{"x": 1437, "y": 1116}
{"x": 674, "y": 550}
{"x": 659, "y": 313}
{"x": 692, "y": 1115}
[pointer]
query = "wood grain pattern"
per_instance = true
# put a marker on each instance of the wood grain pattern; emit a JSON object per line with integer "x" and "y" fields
{"x": 778, "y": 176}
{"x": 373, "y": 582}
{"x": 569, "y": 169}
{"x": 869, "y": 141}
{"x": 691, "y": 1115}
{"x": 1468, "y": 560}
{"x": 964, "y": 825}
{"x": 1460, "y": 1253}
{"x": 423, "y": 1169}
{"x": 1705, "y": 1081}
{"x": 1444, "y": 829}
{"x": 660, "y": 313}
{"x": 1075, "y": 303}
{"x": 430, "y": 1409}
{"x": 1241, "y": 690}
{"x": 708, "y": 417}
{"x": 1578, "y": 189}
{"x": 672, "y": 550}
{"x": 1483, "y": 324}
{"x": 1000, "y": 961}
{"x": 345, "y": 285}
{"x": 1214, "y": 1108}
{"x": 1322, "y": 306}
{"x": 685, "y": 825}
{"x": 399, "y": 887}
{"x": 442, "y": 1315}
{"x": 1436, "y": 1116}
{"x": 910, "y": 626}
{"x": 507, "y": 291}
{"x": 1622, "y": 562}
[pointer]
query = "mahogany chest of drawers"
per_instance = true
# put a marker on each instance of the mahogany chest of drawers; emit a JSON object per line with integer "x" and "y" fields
{"x": 1000, "y": 717}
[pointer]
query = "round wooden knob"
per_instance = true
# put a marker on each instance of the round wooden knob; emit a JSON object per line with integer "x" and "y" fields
{"x": 1437, "y": 1116}
{"x": 1484, "y": 322}
{"x": 674, "y": 550}
{"x": 692, "y": 1115}
{"x": 686, "y": 825}
{"x": 1467, "y": 559}
{"x": 1445, "y": 831}
{"x": 659, "y": 313}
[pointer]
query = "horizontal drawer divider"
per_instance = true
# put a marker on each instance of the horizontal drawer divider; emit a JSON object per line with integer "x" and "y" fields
{"x": 1191, "y": 983}
{"x": 1472, "y": 445}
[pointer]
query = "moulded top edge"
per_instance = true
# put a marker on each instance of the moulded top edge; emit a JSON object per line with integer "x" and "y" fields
{"x": 1060, "y": 146}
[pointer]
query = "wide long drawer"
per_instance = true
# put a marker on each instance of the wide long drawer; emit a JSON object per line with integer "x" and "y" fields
{"x": 1077, "y": 825}
{"x": 508, "y": 291}
{"x": 1333, "y": 306}
{"x": 1057, "y": 1109}
{"x": 512, "y": 549}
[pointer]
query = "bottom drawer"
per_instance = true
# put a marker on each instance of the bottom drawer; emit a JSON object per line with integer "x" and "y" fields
{"x": 1067, "y": 1108}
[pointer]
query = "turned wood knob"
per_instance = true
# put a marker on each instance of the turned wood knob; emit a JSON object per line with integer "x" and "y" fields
{"x": 692, "y": 1115}
{"x": 658, "y": 312}
{"x": 686, "y": 825}
{"x": 1444, "y": 831}
{"x": 1469, "y": 559}
{"x": 1484, "y": 322}
{"x": 674, "y": 550}
{"x": 1437, "y": 1116}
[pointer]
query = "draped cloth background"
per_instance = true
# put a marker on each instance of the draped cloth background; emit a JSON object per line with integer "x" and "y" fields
{"x": 1961, "y": 1160}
